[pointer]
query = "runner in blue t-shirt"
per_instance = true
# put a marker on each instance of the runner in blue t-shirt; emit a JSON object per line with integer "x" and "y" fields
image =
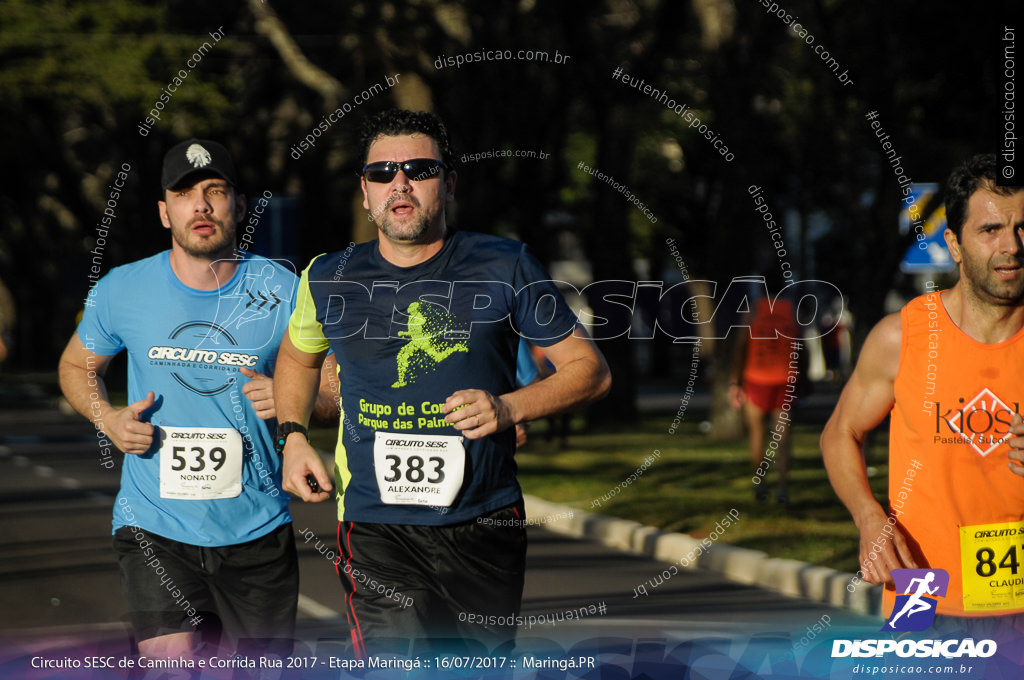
{"x": 526, "y": 373}
{"x": 425, "y": 325}
{"x": 201, "y": 525}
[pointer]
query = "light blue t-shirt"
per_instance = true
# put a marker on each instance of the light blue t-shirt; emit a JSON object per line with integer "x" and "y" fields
{"x": 526, "y": 370}
{"x": 186, "y": 346}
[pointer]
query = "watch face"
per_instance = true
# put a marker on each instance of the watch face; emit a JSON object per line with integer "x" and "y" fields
{"x": 285, "y": 429}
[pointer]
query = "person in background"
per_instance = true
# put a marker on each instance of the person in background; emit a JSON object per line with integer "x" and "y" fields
{"x": 760, "y": 383}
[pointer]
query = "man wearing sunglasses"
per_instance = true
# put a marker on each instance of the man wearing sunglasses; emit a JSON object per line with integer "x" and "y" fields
{"x": 425, "y": 324}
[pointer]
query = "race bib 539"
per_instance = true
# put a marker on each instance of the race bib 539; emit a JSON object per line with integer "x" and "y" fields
{"x": 200, "y": 463}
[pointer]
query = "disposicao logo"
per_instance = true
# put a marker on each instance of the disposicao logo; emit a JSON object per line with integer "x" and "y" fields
{"x": 915, "y": 611}
{"x": 915, "y": 608}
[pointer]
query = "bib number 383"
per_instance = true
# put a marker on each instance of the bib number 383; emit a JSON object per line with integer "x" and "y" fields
{"x": 200, "y": 463}
{"x": 418, "y": 469}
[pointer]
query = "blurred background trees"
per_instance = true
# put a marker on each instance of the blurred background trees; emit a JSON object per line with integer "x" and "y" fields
{"x": 77, "y": 79}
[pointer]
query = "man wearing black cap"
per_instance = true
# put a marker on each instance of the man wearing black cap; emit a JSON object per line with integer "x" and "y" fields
{"x": 201, "y": 527}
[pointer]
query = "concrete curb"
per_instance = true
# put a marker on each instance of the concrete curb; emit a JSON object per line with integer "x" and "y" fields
{"x": 751, "y": 567}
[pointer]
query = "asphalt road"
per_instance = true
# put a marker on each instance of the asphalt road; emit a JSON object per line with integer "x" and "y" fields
{"x": 59, "y": 582}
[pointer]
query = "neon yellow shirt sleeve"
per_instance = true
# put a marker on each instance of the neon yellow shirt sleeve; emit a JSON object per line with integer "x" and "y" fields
{"x": 304, "y": 330}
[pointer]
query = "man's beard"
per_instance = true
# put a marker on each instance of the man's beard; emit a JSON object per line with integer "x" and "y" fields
{"x": 410, "y": 232}
{"x": 983, "y": 280}
{"x": 199, "y": 246}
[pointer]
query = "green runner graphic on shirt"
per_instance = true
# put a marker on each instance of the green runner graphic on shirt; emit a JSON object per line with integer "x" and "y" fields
{"x": 427, "y": 346}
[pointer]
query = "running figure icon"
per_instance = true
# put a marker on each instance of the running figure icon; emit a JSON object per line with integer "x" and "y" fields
{"x": 916, "y": 603}
{"x": 425, "y": 329}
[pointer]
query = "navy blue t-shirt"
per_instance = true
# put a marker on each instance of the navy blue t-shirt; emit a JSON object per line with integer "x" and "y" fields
{"x": 406, "y": 338}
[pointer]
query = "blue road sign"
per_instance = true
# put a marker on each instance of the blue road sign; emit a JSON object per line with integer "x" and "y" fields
{"x": 931, "y": 253}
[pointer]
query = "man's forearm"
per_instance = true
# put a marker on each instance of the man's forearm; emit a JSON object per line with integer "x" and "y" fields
{"x": 327, "y": 409}
{"x": 844, "y": 463}
{"x": 295, "y": 389}
{"x": 86, "y": 394}
{"x": 739, "y": 358}
{"x": 576, "y": 384}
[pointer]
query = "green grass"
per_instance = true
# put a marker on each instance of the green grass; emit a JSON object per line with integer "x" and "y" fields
{"x": 695, "y": 482}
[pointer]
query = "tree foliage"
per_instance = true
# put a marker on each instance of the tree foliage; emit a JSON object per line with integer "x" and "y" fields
{"x": 77, "y": 79}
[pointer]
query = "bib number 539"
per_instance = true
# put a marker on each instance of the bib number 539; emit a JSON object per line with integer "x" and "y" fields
{"x": 195, "y": 457}
{"x": 200, "y": 463}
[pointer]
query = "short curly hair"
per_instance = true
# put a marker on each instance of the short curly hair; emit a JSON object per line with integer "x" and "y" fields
{"x": 978, "y": 172}
{"x": 397, "y": 122}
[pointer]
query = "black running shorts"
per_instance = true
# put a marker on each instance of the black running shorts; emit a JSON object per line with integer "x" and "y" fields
{"x": 247, "y": 591}
{"x": 428, "y": 582}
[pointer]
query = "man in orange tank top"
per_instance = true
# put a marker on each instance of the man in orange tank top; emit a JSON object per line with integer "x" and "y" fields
{"x": 763, "y": 384}
{"x": 947, "y": 368}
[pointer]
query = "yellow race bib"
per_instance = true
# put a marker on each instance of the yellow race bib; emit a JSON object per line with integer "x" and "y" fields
{"x": 992, "y": 565}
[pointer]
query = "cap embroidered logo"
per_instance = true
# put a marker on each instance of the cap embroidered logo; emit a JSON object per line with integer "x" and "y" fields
{"x": 198, "y": 156}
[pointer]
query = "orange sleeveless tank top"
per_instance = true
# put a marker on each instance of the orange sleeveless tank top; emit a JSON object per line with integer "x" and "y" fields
{"x": 771, "y": 331}
{"x": 950, "y": 490}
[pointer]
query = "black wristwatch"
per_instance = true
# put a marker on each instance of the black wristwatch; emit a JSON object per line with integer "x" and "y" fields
{"x": 285, "y": 429}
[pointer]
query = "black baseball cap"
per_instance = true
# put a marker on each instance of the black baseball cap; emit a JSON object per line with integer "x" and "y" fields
{"x": 196, "y": 156}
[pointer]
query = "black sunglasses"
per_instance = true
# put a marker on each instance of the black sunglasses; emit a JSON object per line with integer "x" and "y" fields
{"x": 416, "y": 169}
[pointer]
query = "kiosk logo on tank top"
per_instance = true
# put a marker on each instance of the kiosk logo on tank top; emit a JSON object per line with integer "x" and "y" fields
{"x": 983, "y": 422}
